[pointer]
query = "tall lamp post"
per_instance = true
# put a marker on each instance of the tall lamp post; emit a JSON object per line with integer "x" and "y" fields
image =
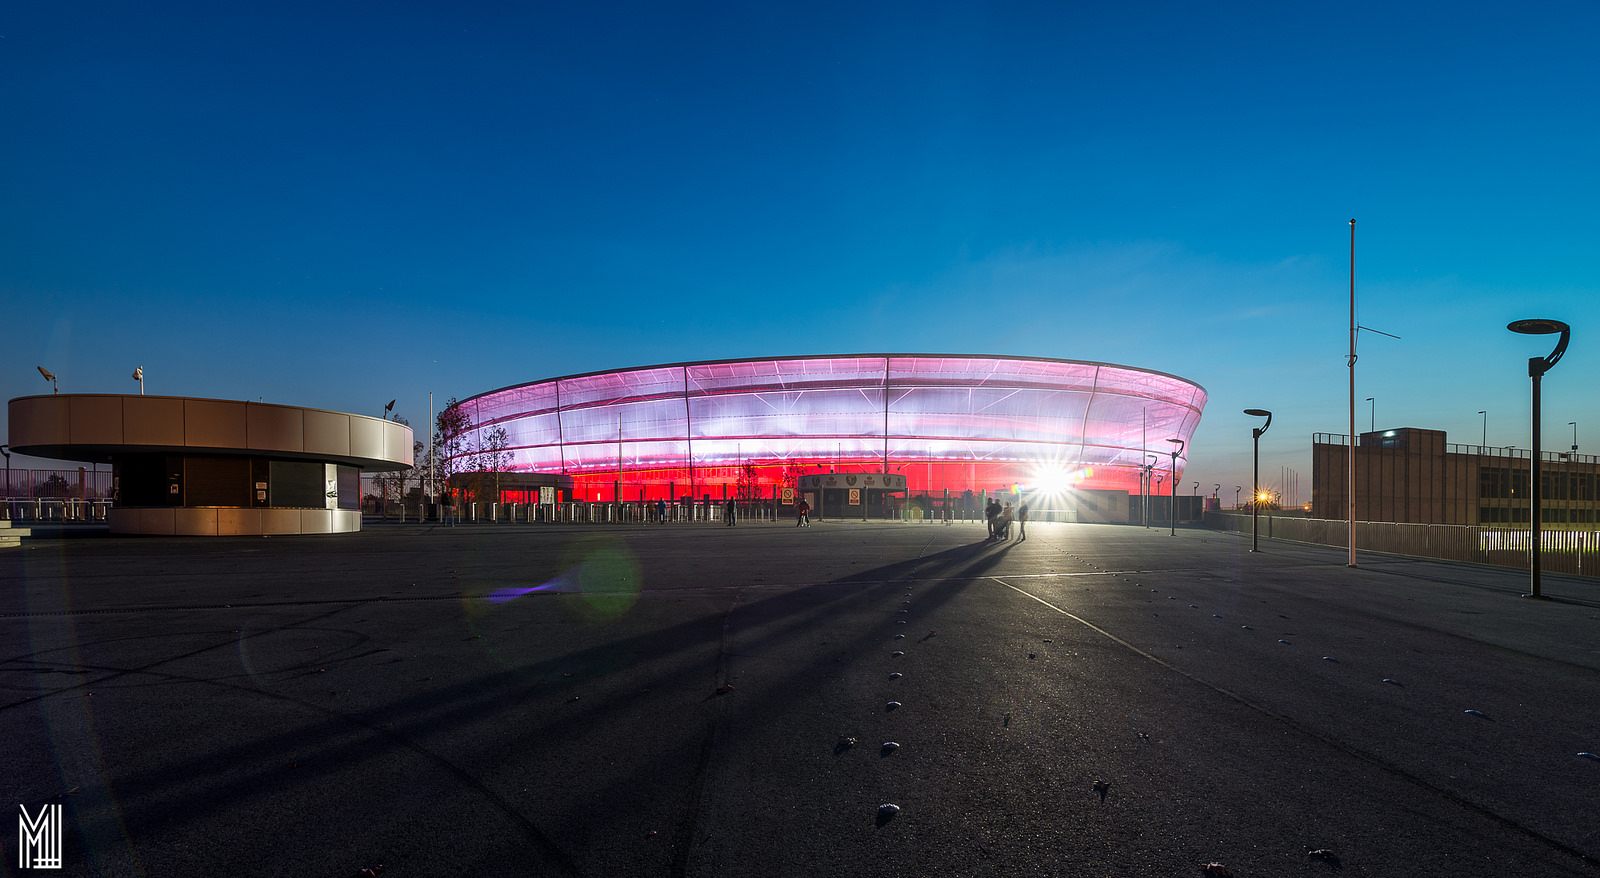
{"x": 1372, "y": 414}
{"x": 1255, "y": 488}
{"x": 1574, "y": 426}
{"x": 1149, "y": 467}
{"x": 1484, "y": 442}
{"x": 6, "y": 450}
{"x": 1537, "y": 366}
{"x": 1172, "y": 519}
{"x": 1236, "y": 490}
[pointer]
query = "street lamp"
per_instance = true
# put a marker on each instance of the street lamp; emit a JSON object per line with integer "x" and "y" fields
{"x": 50, "y": 377}
{"x": 1255, "y": 489}
{"x": 1372, "y": 415}
{"x": 138, "y": 375}
{"x": 1484, "y": 442}
{"x": 1236, "y": 490}
{"x": 1144, "y": 501}
{"x": 1574, "y": 426}
{"x": 387, "y": 409}
{"x": 1215, "y": 490}
{"x": 6, "y": 450}
{"x": 1172, "y": 519}
{"x": 1537, "y": 366}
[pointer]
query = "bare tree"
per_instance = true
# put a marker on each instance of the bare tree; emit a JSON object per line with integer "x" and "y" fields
{"x": 494, "y": 455}
{"x": 452, "y": 452}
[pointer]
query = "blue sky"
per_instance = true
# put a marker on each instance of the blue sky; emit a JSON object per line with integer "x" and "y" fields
{"x": 339, "y": 204}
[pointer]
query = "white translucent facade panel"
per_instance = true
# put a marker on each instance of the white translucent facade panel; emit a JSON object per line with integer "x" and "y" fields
{"x": 527, "y": 400}
{"x": 634, "y": 455}
{"x": 712, "y": 378}
{"x": 853, "y": 411}
{"x": 981, "y": 372}
{"x": 531, "y": 430}
{"x": 987, "y": 412}
{"x": 590, "y": 390}
{"x": 639, "y": 420}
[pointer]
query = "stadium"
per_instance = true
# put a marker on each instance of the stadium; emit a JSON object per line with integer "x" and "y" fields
{"x": 935, "y": 424}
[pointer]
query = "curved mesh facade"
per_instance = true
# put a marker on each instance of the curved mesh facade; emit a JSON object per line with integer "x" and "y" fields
{"x": 948, "y": 422}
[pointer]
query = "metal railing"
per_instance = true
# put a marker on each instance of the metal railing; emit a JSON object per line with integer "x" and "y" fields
{"x": 1574, "y": 552}
{"x": 47, "y": 510}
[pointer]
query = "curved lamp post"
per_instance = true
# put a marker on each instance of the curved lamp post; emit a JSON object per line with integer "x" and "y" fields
{"x": 1255, "y": 489}
{"x": 1172, "y": 519}
{"x": 1236, "y": 490}
{"x": 1537, "y": 366}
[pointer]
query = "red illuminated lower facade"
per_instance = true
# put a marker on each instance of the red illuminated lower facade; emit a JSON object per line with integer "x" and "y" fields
{"x": 747, "y": 429}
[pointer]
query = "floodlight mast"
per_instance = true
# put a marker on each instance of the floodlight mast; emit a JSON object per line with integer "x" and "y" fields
{"x": 50, "y": 377}
{"x": 138, "y": 375}
{"x": 1537, "y": 366}
{"x": 1255, "y": 487}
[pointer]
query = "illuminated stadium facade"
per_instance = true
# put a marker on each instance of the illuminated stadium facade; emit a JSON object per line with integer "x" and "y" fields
{"x": 945, "y": 422}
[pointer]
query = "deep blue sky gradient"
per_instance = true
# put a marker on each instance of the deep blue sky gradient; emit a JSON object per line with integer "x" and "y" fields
{"x": 336, "y": 204}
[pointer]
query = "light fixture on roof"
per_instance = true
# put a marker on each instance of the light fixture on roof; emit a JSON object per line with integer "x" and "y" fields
{"x": 48, "y": 376}
{"x": 138, "y": 375}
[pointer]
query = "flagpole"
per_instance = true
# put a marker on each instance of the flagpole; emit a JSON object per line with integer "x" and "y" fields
{"x": 1350, "y": 535}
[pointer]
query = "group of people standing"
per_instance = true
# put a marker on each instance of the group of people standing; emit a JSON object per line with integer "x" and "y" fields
{"x": 1000, "y": 518}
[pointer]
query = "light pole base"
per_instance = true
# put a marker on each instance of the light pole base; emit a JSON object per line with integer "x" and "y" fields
{"x": 1537, "y": 597}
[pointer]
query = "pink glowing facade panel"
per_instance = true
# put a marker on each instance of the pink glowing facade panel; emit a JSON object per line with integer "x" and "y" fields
{"x": 969, "y": 418}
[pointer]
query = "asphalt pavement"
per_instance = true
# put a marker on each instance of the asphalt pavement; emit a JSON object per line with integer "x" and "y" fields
{"x": 701, "y": 700}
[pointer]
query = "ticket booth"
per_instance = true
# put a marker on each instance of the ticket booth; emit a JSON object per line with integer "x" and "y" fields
{"x": 860, "y": 496}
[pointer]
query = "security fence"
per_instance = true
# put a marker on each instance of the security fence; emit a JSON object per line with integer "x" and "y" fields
{"x": 1575, "y": 552}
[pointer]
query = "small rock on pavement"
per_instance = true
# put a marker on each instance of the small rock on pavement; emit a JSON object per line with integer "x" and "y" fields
{"x": 1215, "y": 870}
{"x": 1325, "y": 856}
{"x": 1472, "y": 711}
{"x": 887, "y": 811}
{"x": 896, "y": 675}
{"x": 890, "y": 746}
{"x": 893, "y": 705}
{"x": 897, "y": 654}
{"x": 1102, "y": 788}
{"x": 1587, "y": 755}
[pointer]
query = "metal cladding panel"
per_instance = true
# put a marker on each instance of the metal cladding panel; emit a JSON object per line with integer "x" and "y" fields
{"x": 366, "y": 438}
{"x": 327, "y": 433}
{"x": 39, "y": 420}
{"x": 211, "y": 423}
{"x": 96, "y": 420}
{"x": 152, "y": 420}
{"x": 190, "y": 522}
{"x": 397, "y": 443}
{"x": 276, "y": 429}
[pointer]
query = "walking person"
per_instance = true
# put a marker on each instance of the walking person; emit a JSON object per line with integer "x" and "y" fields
{"x": 661, "y": 512}
{"x": 1003, "y": 526}
{"x": 728, "y": 513}
{"x": 1022, "y": 522}
{"x": 447, "y": 505}
{"x": 992, "y": 513}
{"x": 803, "y": 513}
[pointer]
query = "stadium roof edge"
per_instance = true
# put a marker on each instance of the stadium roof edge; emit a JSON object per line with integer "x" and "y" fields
{"x": 864, "y": 355}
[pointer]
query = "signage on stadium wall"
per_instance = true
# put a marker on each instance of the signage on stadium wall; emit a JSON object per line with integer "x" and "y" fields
{"x": 879, "y": 481}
